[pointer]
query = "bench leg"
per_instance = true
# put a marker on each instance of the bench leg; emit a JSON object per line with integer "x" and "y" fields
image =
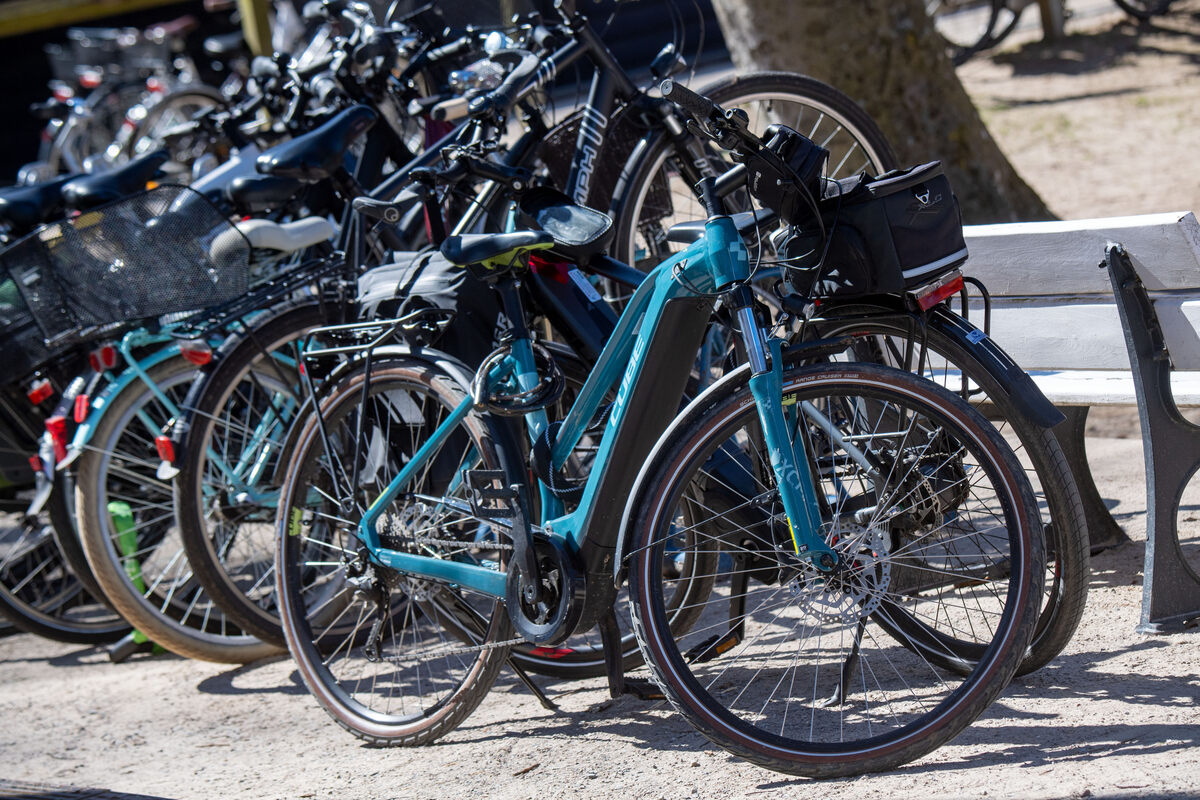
{"x": 1103, "y": 530}
{"x": 1170, "y": 587}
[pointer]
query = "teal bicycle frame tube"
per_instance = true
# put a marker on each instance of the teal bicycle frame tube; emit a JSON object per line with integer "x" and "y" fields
{"x": 715, "y": 261}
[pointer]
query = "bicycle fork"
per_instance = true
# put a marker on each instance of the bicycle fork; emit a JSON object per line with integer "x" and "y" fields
{"x": 789, "y": 459}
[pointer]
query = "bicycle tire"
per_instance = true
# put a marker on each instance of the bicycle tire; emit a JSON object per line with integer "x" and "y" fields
{"x": 41, "y": 594}
{"x": 652, "y": 196}
{"x": 122, "y": 457}
{"x": 233, "y": 564}
{"x": 178, "y": 107}
{"x": 963, "y": 39}
{"x": 429, "y": 609}
{"x": 1065, "y": 524}
{"x": 1144, "y": 10}
{"x": 902, "y": 528}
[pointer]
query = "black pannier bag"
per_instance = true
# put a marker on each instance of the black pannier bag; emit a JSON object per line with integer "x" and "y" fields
{"x": 882, "y": 234}
{"x": 427, "y": 280}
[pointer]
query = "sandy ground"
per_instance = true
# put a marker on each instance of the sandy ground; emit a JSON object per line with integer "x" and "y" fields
{"x": 1100, "y": 126}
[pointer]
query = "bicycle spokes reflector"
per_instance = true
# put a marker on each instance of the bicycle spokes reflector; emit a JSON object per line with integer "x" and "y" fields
{"x": 165, "y": 448}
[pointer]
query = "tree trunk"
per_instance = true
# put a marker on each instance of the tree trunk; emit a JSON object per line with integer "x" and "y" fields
{"x": 887, "y": 55}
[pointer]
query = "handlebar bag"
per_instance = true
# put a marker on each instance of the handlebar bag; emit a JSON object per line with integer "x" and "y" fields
{"x": 882, "y": 235}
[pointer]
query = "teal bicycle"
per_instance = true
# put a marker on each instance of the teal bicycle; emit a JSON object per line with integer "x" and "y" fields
{"x": 833, "y": 568}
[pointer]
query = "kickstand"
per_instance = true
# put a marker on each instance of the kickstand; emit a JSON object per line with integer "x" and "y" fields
{"x": 839, "y": 694}
{"x": 610, "y": 636}
{"x": 524, "y": 678}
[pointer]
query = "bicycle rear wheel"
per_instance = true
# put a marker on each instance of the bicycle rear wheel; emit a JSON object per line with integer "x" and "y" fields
{"x": 840, "y": 674}
{"x": 1144, "y": 9}
{"x": 127, "y": 527}
{"x": 395, "y": 660}
{"x": 39, "y": 592}
{"x": 939, "y": 351}
{"x": 226, "y": 490}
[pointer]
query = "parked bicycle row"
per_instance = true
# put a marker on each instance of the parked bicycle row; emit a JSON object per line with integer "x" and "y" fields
{"x": 381, "y": 386}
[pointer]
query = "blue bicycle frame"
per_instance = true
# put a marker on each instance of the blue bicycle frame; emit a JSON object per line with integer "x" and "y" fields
{"x": 692, "y": 278}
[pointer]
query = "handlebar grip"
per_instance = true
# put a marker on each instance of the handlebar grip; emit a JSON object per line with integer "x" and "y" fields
{"x": 502, "y": 96}
{"x": 460, "y": 45}
{"x": 698, "y": 106}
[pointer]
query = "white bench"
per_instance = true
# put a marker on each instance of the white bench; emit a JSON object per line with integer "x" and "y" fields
{"x": 1053, "y": 307}
{"x": 1054, "y": 311}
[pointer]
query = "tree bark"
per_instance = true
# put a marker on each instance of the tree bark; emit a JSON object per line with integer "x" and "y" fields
{"x": 887, "y": 55}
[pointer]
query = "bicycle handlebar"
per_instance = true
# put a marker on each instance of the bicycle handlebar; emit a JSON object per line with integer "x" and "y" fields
{"x": 698, "y": 106}
{"x": 503, "y": 96}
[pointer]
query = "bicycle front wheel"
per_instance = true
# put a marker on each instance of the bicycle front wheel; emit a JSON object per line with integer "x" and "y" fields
{"x": 394, "y": 659}
{"x": 916, "y": 632}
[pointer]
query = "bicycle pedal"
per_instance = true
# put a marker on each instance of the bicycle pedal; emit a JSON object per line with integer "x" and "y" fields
{"x": 643, "y": 689}
{"x": 488, "y": 496}
{"x": 712, "y": 647}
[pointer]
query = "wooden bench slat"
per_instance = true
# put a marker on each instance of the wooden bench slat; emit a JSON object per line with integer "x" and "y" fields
{"x": 1061, "y": 257}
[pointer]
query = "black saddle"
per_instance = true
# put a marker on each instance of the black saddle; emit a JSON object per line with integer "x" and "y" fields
{"x": 579, "y": 232}
{"x": 23, "y": 208}
{"x": 317, "y": 154}
{"x": 89, "y": 191}
{"x": 253, "y": 194}
{"x": 476, "y": 248}
{"x": 746, "y": 223}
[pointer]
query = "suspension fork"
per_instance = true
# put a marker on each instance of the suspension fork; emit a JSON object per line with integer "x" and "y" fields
{"x": 789, "y": 460}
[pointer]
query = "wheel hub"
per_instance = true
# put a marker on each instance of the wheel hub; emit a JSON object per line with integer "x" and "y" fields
{"x": 856, "y": 588}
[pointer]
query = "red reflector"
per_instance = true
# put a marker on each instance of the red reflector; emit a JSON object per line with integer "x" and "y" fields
{"x": 197, "y": 352}
{"x": 63, "y": 93}
{"x": 554, "y": 270}
{"x": 81, "y": 407}
{"x": 40, "y": 390}
{"x": 155, "y": 85}
{"x": 90, "y": 79}
{"x": 56, "y": 426}
{"x": 935, "y": 294}
{"x": 35, "y": 463}
{"x": 551, "y": 652}
{"x": 108, "y": 356}
{"x": 94, "y": 362}
{"x": 165, "y": 448}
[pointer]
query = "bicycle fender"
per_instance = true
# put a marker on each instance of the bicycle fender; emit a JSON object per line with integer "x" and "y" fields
{"x": 729, "y": 382}
{"x": 99, "y": 405}
{"x": 181, "y": 426}
{"x": 1025, "y": 394}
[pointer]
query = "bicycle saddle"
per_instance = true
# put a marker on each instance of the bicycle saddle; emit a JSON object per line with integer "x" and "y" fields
{"x": 251, "y": 194}
{"x": 26, "y": 207}
{"x": 317, "y": 154}
{"x": 89, "y": 191}
{"x": 746, "y": 222}
{"x": 482, "y": 248}
{"x": 579, "y": 232}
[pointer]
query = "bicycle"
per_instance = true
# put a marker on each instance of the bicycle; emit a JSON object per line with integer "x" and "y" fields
{"x": 407, "y": 565}
{"x": 972, "y": 26}
{"x": 842, "y": 125}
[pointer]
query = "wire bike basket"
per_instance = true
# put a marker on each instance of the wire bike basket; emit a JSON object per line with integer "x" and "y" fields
{"x": 165, "y": 251}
